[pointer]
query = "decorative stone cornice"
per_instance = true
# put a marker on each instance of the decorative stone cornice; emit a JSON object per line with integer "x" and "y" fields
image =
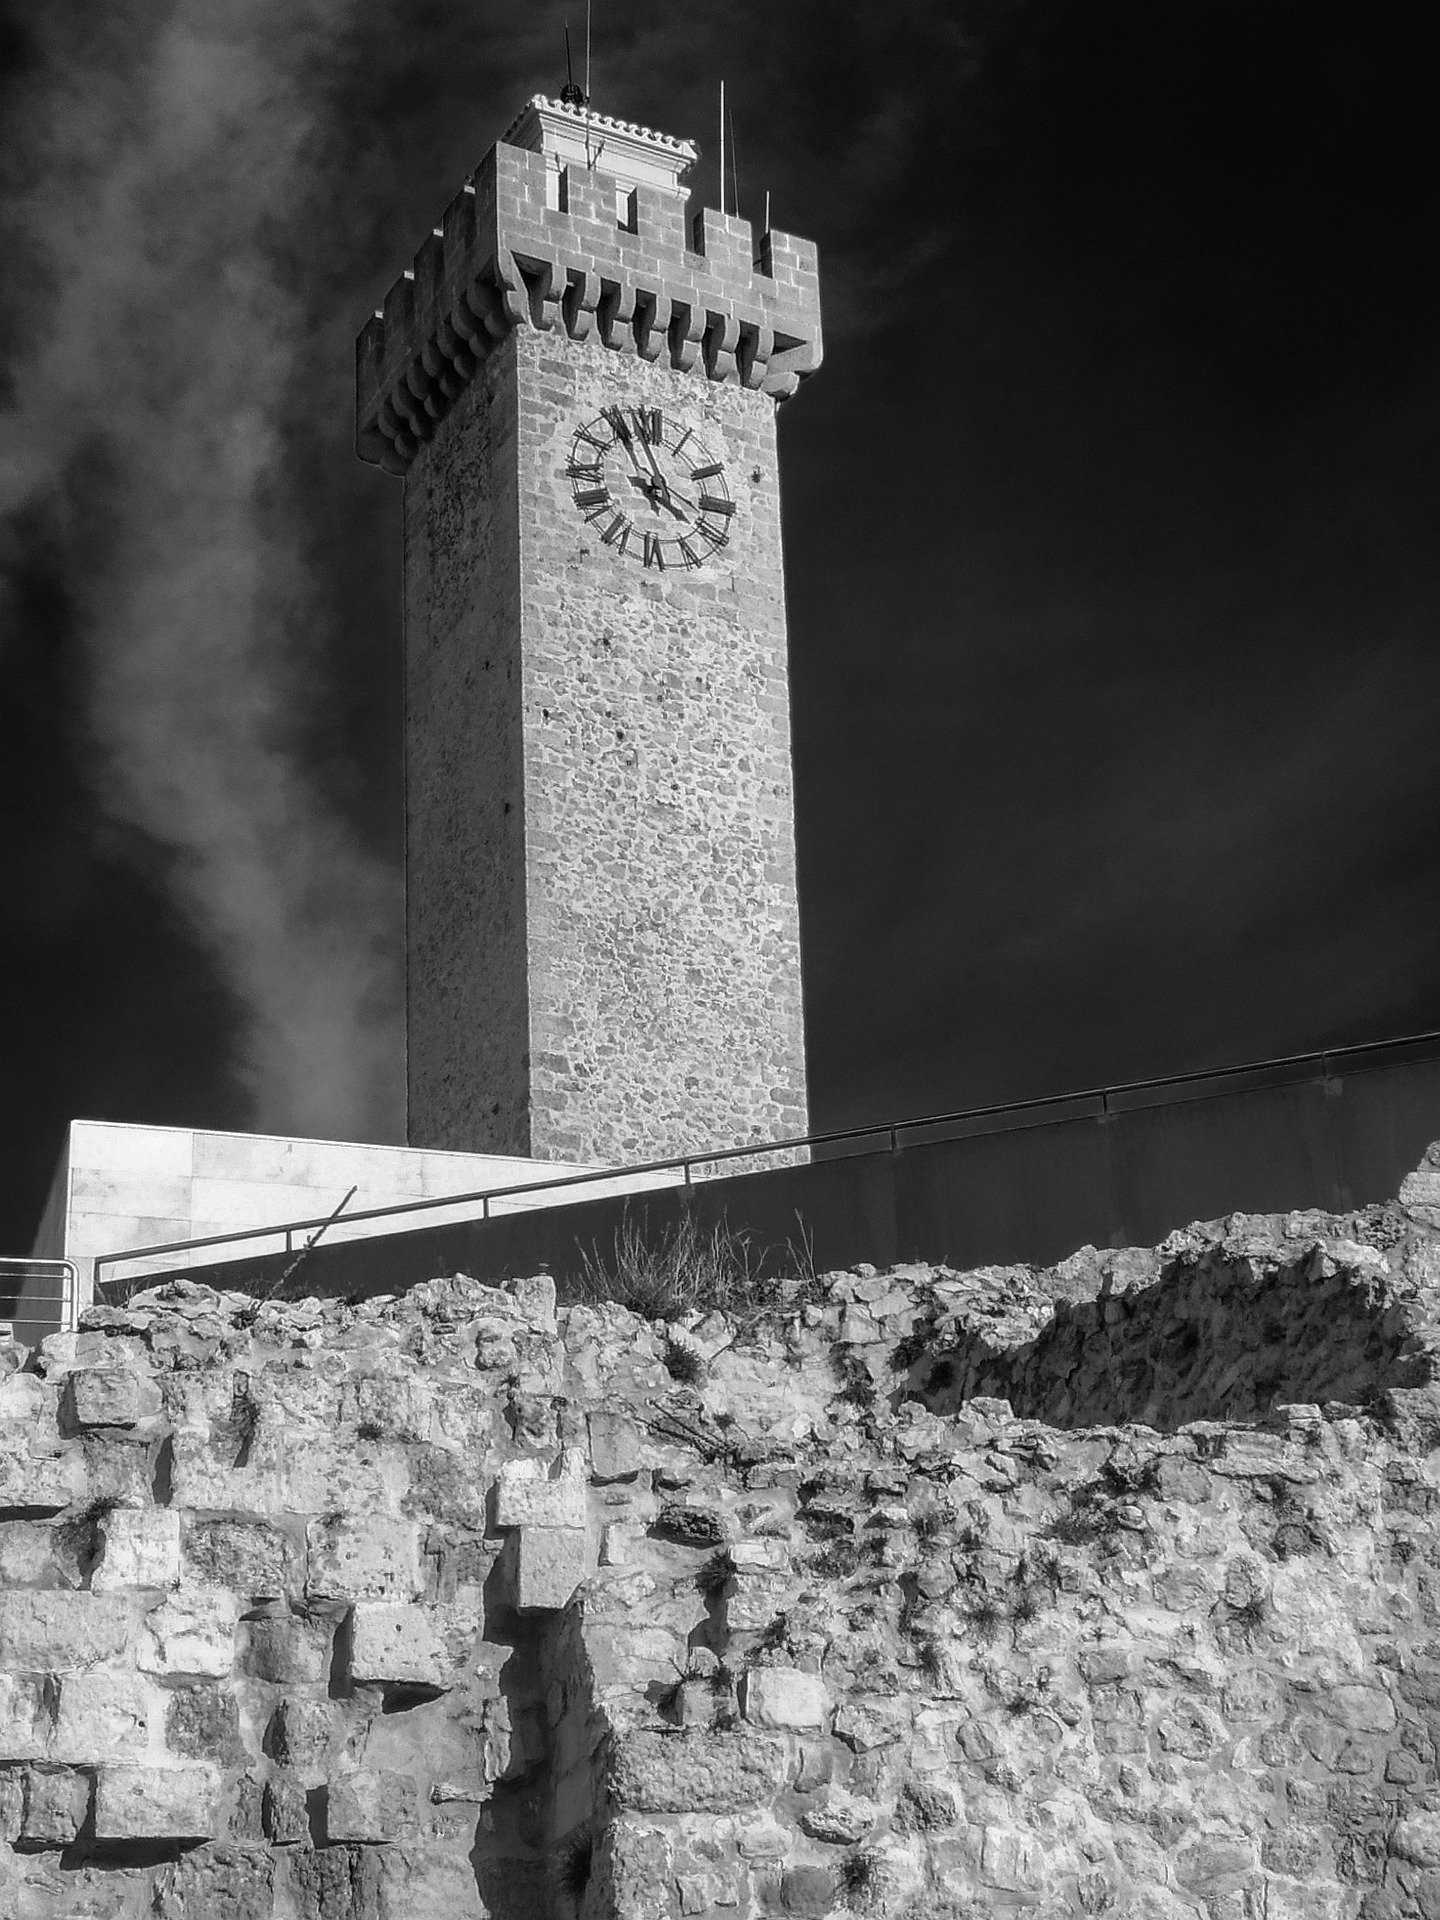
{"x": 635, "y": 155}
{"x": 607, "y": 263}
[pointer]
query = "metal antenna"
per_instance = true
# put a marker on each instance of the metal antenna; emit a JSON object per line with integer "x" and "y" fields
{"x": 767, "y": 209}
{"x": 570, "y": 94}
{"x": 590, "y": 158}
{"x": 734, "y": 166}
{"x": 722, "y": 147}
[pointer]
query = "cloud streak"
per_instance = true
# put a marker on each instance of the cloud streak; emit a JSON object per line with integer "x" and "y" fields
{"x": 149, "y": 404}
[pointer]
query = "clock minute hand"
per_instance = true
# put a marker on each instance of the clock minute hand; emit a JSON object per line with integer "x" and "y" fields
{"x": 623, "y": 435}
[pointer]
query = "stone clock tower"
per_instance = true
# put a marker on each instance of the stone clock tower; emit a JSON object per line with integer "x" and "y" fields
{"x": 580, "y": 391}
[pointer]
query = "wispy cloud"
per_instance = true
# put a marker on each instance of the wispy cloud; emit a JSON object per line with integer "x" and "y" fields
{"x": 148, "y": 403}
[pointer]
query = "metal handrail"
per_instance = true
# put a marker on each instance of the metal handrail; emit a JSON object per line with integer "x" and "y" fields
{"x": 684, "y": 1164}
{"x": 69, "y": 1296}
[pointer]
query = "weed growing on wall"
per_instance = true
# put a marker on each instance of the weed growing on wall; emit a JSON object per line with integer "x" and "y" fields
{"x": 690, "y": 1268}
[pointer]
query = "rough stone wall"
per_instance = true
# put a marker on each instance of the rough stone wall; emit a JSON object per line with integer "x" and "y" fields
{"x": 454, "y": 1604}
{"x": 601, "y": 848}
{"x": 466, "y": 1002}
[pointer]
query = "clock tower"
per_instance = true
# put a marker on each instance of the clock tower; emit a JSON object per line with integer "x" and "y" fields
{"x": 602, "y": 933}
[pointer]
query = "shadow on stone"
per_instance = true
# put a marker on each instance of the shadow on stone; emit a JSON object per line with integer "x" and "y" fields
{"x": 1213, "y": 1338}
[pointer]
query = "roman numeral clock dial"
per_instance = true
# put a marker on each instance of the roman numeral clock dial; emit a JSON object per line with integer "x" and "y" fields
{"x": 651, "y": 488}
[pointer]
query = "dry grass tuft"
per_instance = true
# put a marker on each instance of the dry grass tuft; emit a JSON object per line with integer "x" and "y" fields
{"x": 690, "y": 1268}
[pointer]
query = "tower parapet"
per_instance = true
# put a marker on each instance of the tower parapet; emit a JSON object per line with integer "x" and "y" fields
{"x": 540, "y": 238}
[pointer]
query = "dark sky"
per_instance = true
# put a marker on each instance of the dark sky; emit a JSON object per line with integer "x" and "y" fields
{"x": 1110, "y": 520}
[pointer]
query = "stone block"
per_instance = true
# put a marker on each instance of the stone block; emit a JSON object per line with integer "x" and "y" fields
{"x": 544, "y": 1566}
{"x": 783, "y": 1697}
{"x": 1214, "y": 1863}
{"x": 25, "y": 1718}
{"x": 110, "y": 1396}
{"x": 217, "y": 1883}
{"x": 302, "y": 1734}
{"x": 203, "y": 1476}
{"x": 419, "y": 1883}
{"x": 839, "y": 1818}
{"x": 323, "y": 1475}
{"x": 809, "y": 1891}
{"x": 57, "y": 1803}
{"x": 1012, "y": 1860}
{"x": 249, "y": 1557}
{"x": 614, "y": 1446}
{"x": 372, "y": 1808}
{"x": 103, "y": 1716}
{"x": 157, "y": 1803}
{"x": 693, "y": 1772}
{"x": 355, "y": 1557}
{"x": 619, "y": 1541}
{"x": 286, "y": 1811}
{"x": 139, "y": 1547}
{"x": 42, "y": 1483}
{"x": 1361, "y": 1709}
{"x": 61, "y": 1632}
{"x": 191, "y": 1633}
{"x": 33, "y": 1554}
{"x": 449, "y": 1485}
{"x": 526, "y": 1495}
{"x": 1417, "y": 1839}
{"x": 288, "y": 1649}
{"x": 203, "y": 1723}
{"x": 399, "y": 1643}
{"x": 878, "y": 1723}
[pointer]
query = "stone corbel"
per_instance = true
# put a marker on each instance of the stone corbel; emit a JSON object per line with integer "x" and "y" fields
{"x": 410, "y": 409}
{"x": 423, "y": 388}
{"x": 546, "y": 282}
{"x": 756, "y": 346}
{"x": 652, "y": 324}
{"x": 513, "y": 292}
{"x": 615, "y": 316}
{"x": 582, "y": 298}
{"x": 440, "y": 369}
{"x": 486, "y": 308}
{"x": 686, "y": 335}
{"x": 459, "y": 350}
{"x": 781, "y": 386}
{"x": 722, "y": 337}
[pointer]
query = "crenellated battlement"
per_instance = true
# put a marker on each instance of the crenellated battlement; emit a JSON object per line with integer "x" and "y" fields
{"x": 531, "y": 241}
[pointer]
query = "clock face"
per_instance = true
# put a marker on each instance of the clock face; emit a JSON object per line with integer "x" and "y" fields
{"x": 652, "y": 489}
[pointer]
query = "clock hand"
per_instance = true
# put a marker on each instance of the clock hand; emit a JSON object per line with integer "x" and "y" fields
{"x": 622, "y": 434}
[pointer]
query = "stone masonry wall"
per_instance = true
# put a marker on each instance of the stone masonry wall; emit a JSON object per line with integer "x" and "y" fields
{"x": 459, "y": 1604}
{"x": 604, "y": 942}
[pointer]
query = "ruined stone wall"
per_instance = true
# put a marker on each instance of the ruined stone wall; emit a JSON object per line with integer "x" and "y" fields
{"x": 1112, "y": 1589}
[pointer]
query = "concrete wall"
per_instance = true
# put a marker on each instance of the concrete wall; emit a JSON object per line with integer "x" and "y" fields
{"x": 120, "y": 1186}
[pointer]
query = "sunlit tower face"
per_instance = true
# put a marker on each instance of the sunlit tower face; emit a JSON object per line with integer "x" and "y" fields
{"x": 603, "y": 935}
